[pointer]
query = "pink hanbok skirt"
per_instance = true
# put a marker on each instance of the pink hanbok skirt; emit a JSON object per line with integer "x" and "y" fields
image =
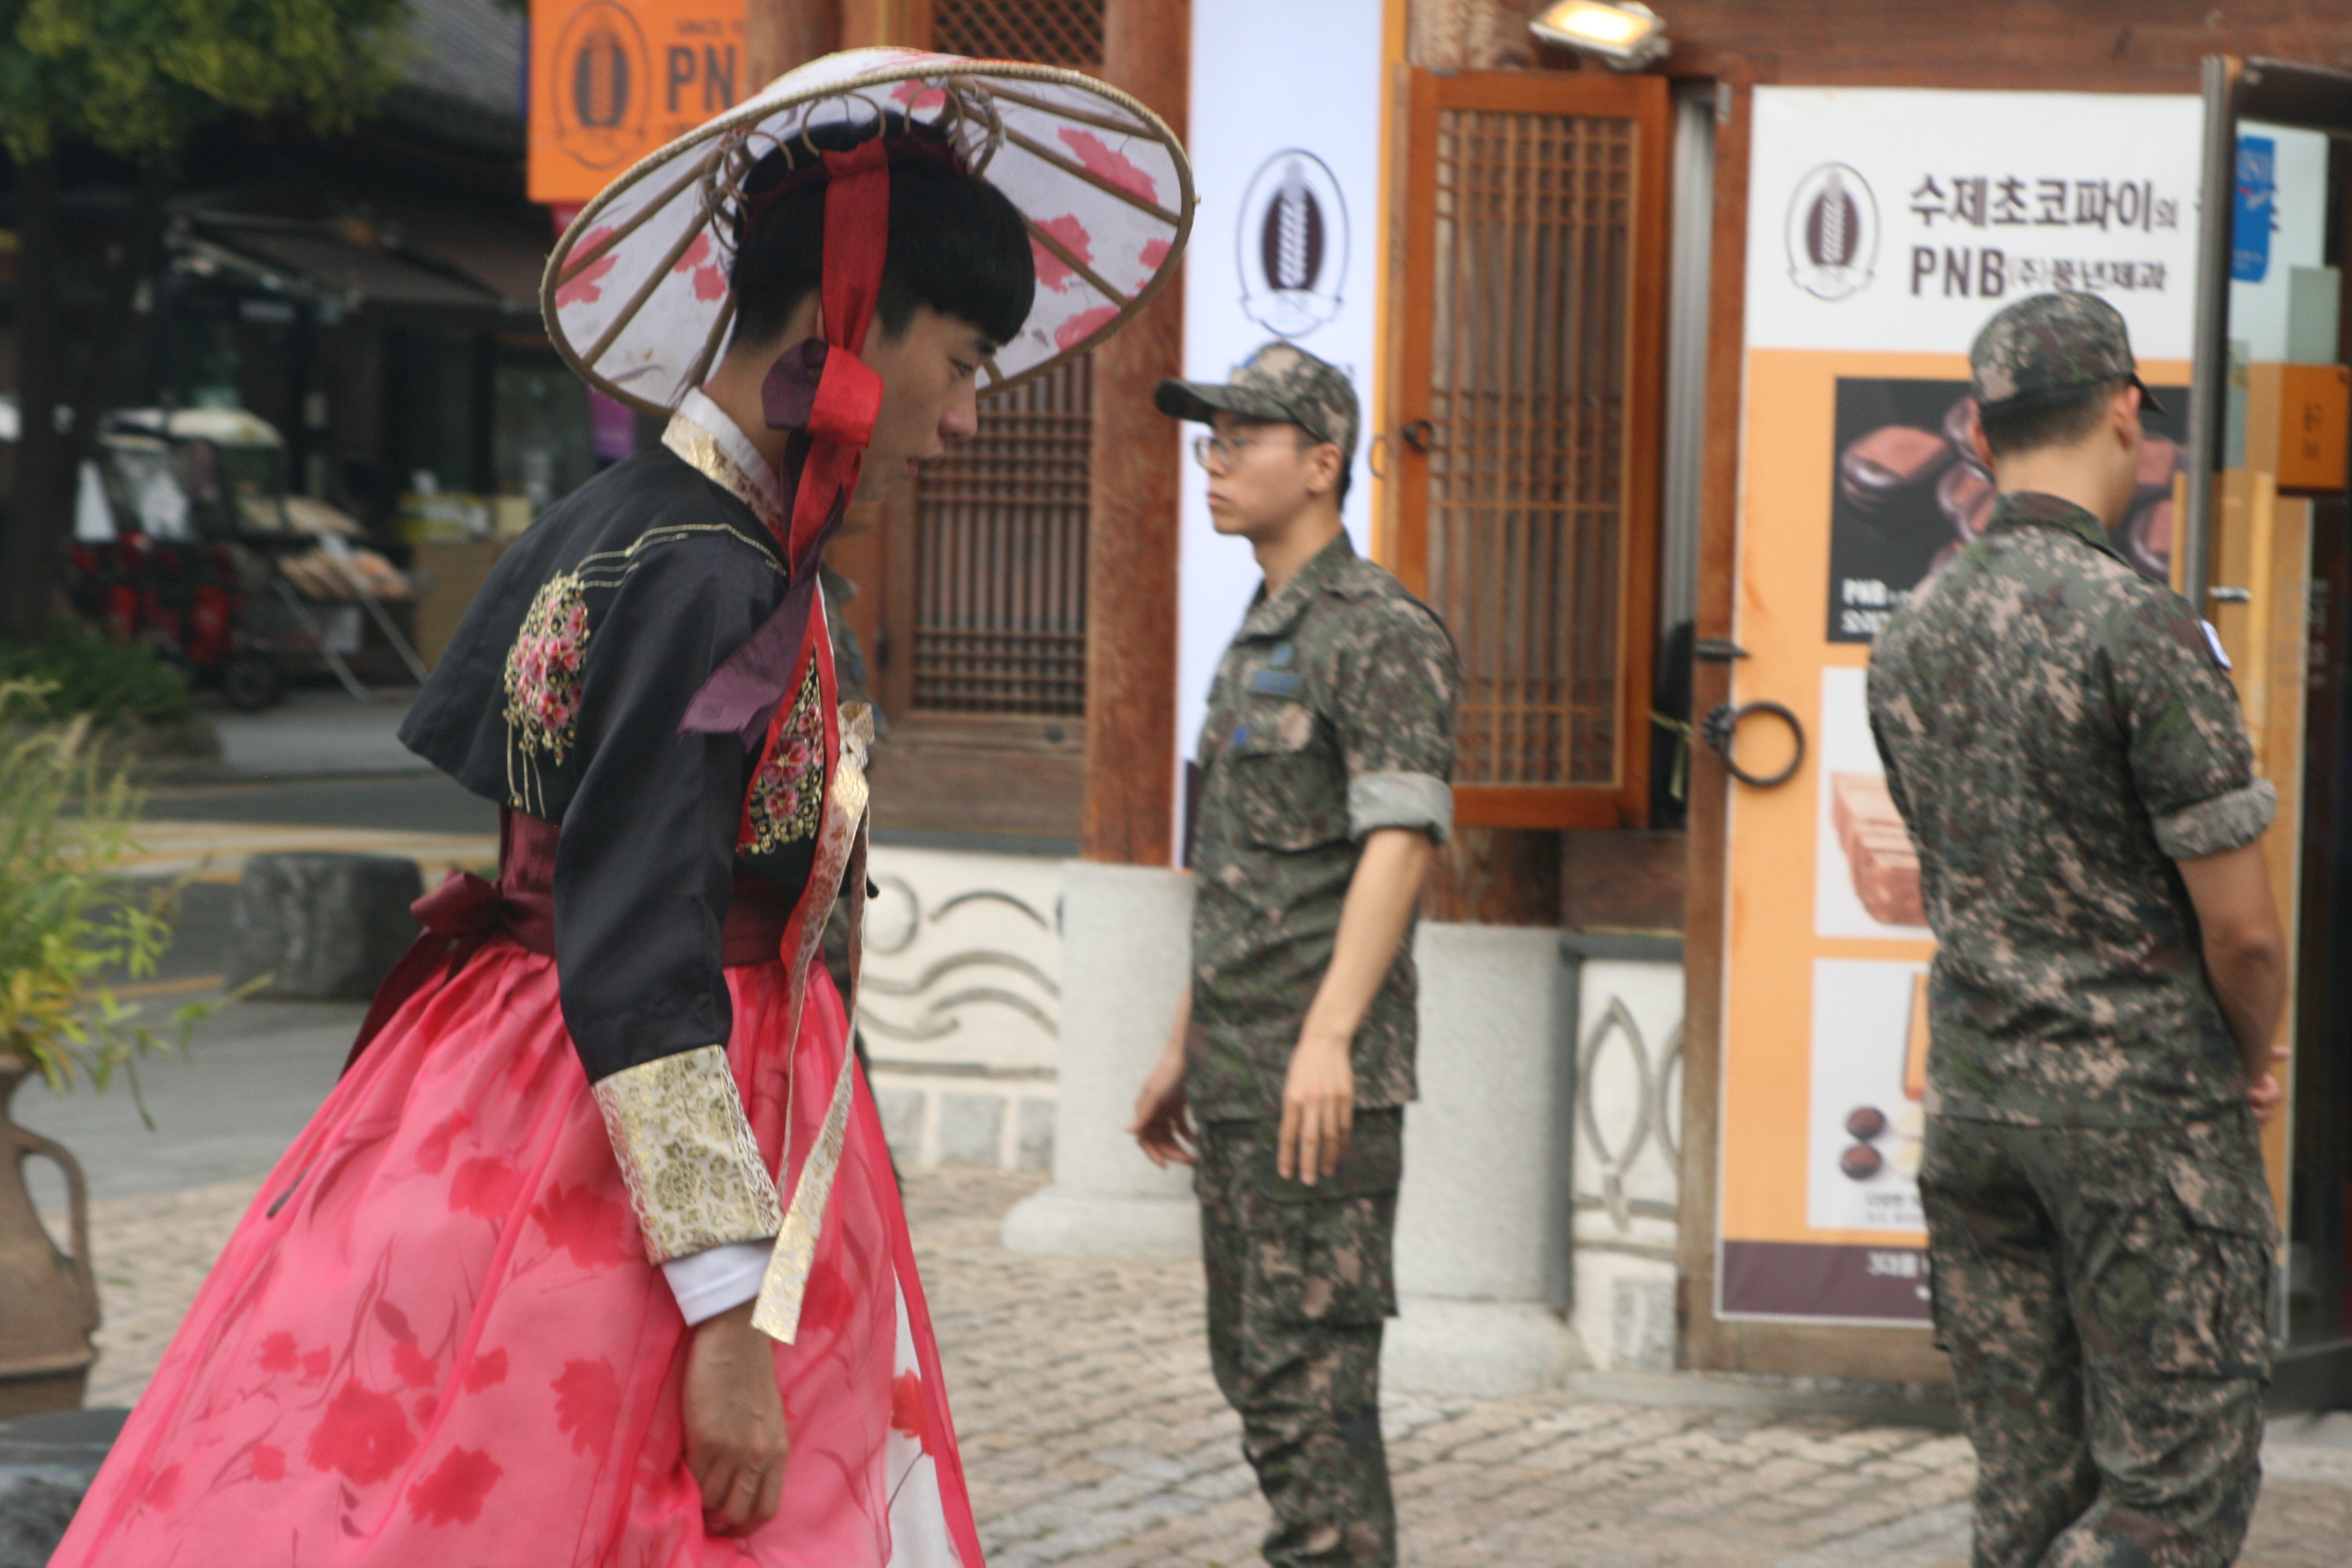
{"x": 436, "y": 1338}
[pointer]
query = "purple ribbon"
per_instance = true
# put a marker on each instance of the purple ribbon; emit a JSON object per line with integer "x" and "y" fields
{"x": 743, "y": 693}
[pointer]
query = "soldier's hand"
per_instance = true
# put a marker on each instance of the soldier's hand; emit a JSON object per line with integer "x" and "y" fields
{"x": 1162, "y": 1125}
{"x": 2265, "y": 1092}
{"x": 1318, "y": 1108}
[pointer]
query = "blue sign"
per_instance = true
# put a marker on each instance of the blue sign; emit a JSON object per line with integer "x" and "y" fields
{"x": 2250, "y": 225}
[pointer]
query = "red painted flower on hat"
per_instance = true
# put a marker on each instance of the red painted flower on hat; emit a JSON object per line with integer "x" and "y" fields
{"x": 1067, "y": 232}
{"x": 1109, "y": 164}
{"x": 585, "y": 286}
{"x": 363, "y": 1434}
{"x": 709, "y": 277}
{"x": 1155, "y": 252}
{"x": 919, "y": 95}
{"x": 1084, "y": 325}
{"x": 453, "y": 1493}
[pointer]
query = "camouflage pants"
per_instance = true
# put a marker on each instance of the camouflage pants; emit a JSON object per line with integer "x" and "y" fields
{"x": 1299, "y": 1285}
{"x": 2104, "y": 1296}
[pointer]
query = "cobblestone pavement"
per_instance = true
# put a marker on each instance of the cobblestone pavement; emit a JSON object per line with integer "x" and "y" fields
{"x": 1093, "y": 1437}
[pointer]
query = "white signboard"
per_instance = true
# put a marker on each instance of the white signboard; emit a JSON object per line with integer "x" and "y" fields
{"x": 1285, "y": 137}
{"x": 1900, "y": 220}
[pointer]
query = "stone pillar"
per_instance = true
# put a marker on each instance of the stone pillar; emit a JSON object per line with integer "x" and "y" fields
{"x": 1125, "y": 951}
{"x": 1482, "y": 1247}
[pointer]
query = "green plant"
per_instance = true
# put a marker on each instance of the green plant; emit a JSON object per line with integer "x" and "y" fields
{"x": 87, "y": 672}
{"x": 66, "y": 814}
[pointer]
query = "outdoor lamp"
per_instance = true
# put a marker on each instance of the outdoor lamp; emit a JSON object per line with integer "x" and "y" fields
{"x": 1627, "y": 34}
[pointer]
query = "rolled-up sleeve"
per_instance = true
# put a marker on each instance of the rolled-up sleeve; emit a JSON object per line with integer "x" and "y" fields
{"x": 1394, "y": 715}
{"x": 2190, "y": 759}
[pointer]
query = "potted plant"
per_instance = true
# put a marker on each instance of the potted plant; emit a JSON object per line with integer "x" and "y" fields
{"x": 66, "y": 924}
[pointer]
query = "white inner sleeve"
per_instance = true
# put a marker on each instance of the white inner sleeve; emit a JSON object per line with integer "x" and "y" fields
{"x": 707, "y": 1283}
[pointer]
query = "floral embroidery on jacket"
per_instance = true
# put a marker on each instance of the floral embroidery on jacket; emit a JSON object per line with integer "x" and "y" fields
{"x": 543, "y": 681}
{"x": 788, "y": 793}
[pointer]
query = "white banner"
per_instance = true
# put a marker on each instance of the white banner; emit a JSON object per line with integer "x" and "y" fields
{"x": 1901, "y": 219}
{"x": 1285, "y": 137}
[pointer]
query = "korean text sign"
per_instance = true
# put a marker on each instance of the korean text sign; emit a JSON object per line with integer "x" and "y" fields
{"x": 1884, "y": 229}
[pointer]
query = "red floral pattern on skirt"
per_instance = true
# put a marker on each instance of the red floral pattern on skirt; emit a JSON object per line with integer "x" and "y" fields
{"x": 445, "y": 1343}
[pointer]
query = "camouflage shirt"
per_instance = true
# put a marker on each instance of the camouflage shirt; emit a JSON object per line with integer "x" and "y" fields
{"x": 1332, "y": 716}
{"x": 2057, "y": 732}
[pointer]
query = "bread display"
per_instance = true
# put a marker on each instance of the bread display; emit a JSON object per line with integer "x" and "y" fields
{"x": 1878, "y": 852}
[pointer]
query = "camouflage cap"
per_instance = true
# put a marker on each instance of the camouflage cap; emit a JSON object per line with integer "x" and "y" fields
{"x": 2052, "y": 342}
{"x": 1280, "y": 382}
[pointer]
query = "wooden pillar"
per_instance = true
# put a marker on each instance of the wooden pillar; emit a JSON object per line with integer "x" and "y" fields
{"x": 1132, "y": 511}
{"x": 780, "y": 35}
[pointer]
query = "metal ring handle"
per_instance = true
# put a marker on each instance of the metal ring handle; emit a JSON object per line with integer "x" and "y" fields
{"x": 1418, "y": 434}
{"x": 1718, "y": 729}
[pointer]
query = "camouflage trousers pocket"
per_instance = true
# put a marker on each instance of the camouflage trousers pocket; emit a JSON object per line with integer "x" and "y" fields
{"x": 2216, "y": 1321}
{"x": 1332, "y": 1263}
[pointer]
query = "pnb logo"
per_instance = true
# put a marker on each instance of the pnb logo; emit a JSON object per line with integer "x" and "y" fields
{"x": 1293, "y": 244}
{"x": 603, "y": 85}
{"x": 1833, "y": 233}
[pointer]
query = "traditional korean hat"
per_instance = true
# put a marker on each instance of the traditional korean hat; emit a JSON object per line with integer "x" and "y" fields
{"x": 636, "y": 294}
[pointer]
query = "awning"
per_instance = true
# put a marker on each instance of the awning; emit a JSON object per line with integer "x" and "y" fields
{"x": 494, "y": 273}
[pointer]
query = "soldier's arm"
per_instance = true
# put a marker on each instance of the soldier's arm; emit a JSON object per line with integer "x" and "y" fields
{"x": 1395, "y": 719}
{"x": 1163, "y": 1124}
{"x": 1318, "y": 1097}
{"x": 2193, "y": 768}
{"x": 2245, "y": 956}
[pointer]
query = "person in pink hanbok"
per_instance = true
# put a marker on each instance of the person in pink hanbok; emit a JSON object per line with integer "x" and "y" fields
{"x": 594, "y": 1255}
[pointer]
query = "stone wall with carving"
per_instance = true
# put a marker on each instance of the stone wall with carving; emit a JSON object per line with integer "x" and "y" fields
{"x": 960, "y": 1004}
{"x": 1629, "y": 1023}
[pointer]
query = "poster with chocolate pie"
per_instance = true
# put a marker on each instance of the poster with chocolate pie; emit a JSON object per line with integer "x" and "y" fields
{"x": 1865, "y": 874}
{"x": 1910, "y": 489}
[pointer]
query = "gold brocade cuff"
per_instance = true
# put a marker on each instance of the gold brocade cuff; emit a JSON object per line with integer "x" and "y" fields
{"x": 687, "y": 1153}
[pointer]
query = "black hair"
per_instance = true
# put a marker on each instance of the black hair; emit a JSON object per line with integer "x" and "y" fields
{"x": 2057, "y": 419}
{"x": 956, "y": 245}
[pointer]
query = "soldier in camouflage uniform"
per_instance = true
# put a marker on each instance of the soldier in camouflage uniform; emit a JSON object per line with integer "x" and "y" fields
{"x": 2060, "y": 739}
{"x": 1323, "y": 792}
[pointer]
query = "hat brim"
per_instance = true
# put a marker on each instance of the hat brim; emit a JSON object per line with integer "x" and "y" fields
{"x": 1203, "y": 401}
{"x": 636, "y": 294}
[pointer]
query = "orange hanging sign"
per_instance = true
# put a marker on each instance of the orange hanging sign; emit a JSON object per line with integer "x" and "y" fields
{"x": 612, "y": 80}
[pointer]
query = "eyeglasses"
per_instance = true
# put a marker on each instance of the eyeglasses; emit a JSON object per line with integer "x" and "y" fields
{"x": 1227, "y": 449}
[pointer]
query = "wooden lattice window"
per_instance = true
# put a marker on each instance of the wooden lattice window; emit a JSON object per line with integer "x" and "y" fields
{"x": 1048, "y": 32}
{"x": 1527, "y": 366}
{"x": 1000, "y": 557}
{"x": 997, "y": 615}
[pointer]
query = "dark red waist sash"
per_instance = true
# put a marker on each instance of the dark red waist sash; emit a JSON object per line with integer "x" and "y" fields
{"x": 466, "y": 911}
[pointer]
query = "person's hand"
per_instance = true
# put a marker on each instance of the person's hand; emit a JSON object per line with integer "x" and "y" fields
{"x": 1318, "y": 1108}
{"x": 2265, "y": 1092}
{"x": 1162, "y": 1125}
{"x": 735, "y": 1440}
